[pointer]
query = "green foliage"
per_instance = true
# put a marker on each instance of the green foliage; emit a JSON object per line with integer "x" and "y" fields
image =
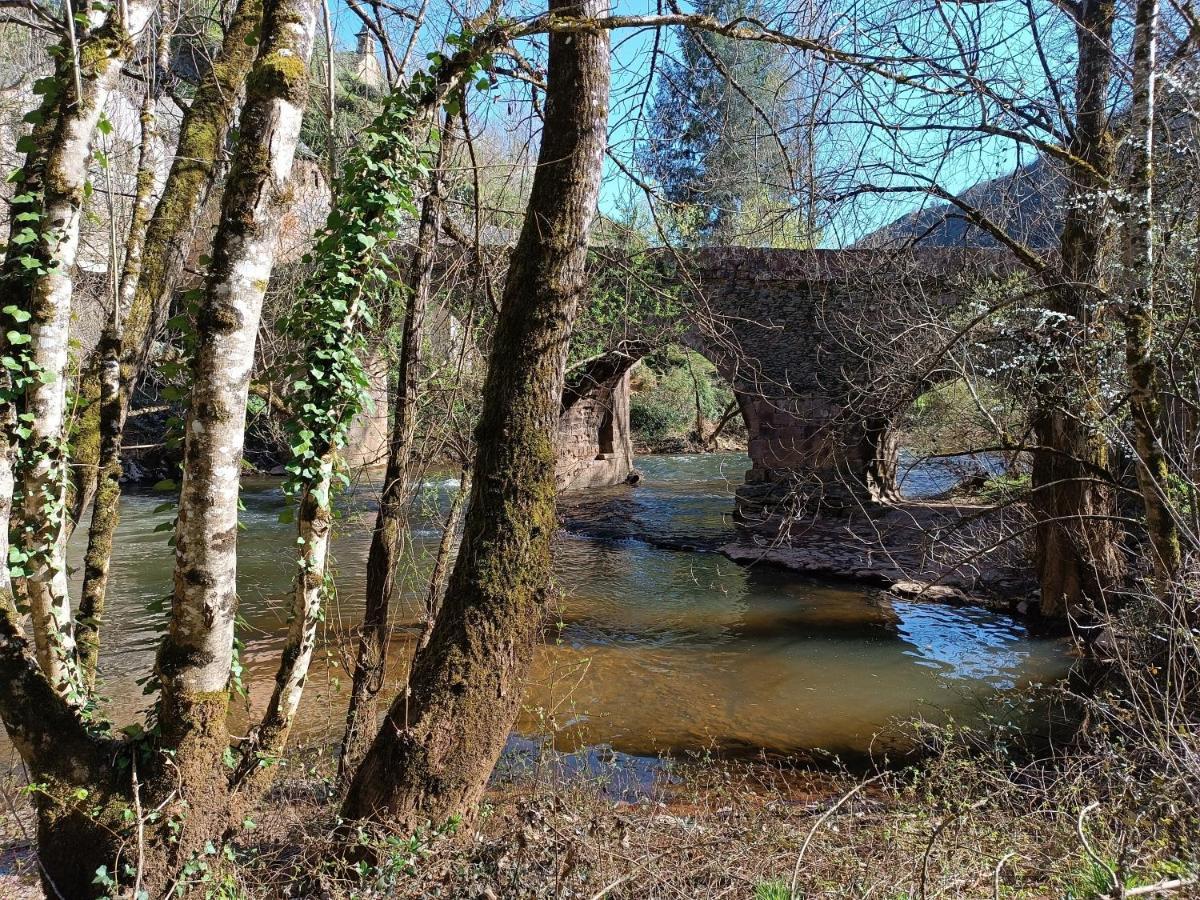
{"x": 775, "y": 889}
{"x": 668, "y": 389}
{"x": 1002, "y": 488}
{"x": 654, "y": 418}
{"x": 375, "y": 196}
{"x": 717, "y": 157}
{"x": 626, "y": 297}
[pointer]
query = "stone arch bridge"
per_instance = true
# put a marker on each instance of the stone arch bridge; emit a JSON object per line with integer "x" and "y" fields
{"x": 824, "y": 349}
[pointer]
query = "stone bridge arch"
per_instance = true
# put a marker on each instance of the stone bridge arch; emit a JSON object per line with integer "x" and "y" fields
{"x": 823, "y": 350}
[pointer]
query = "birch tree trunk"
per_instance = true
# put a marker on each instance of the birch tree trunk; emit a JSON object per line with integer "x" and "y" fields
{"x": 441, "y": 738}
{"x": 202, "y": 136}
{"x": 160, "y": 235}
{"x": 184, "y": 778}
{"x": 15, "y": 281}
{"x": 1141, "y": 368}
{"x": 44, "y": 473}
{"x": 194, "y": 661}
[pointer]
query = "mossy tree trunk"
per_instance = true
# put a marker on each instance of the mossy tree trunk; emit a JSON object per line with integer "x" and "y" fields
{"x": 1077, "y": 540}
{"x": 159, "y": 237}
{"x": 442, "y": 736}
{"x": 197, "y": 162}
{"x": 195, "y": 659}
{"x": 103, "y": 51}
{"x": 90, "y": 786}
{"x": 387, "y": 537}
{"x": 103, "y": 525}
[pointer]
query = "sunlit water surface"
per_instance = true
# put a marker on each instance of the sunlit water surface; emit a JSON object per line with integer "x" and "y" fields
{"x": 657, "y": 643}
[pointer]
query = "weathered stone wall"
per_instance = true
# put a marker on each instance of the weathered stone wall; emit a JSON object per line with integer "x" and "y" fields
{"x": 367, "y": 437}
{"x": 595, "y": 446}
{"x": 824, "y": 348}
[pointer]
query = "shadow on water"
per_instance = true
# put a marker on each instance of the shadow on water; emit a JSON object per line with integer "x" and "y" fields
{"x": 651, "y": 650}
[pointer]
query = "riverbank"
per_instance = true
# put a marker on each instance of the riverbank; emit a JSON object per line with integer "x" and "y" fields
{"x": 940, "y": 551}
{"x": 975, "y": 820}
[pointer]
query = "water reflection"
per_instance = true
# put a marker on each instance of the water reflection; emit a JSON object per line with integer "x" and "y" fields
{"x": 652, "y": 649}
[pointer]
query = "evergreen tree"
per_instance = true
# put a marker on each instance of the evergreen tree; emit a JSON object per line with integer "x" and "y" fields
{"x": 721, "y": 111}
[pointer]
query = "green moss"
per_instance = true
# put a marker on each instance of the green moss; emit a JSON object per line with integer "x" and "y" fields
{"x": 280, "y": 74}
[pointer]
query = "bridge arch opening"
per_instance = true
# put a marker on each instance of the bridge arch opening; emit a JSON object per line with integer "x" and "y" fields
{"x": 947, "y": 438}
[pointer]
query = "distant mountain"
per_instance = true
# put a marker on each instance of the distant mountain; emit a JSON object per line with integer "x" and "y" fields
{"x": 1024, "y": 203}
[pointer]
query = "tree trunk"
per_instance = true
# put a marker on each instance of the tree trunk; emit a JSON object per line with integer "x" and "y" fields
{"x": 202, "y": 136}
{"x": 442, "y": 737}
{"x": 88, "y": 783}
{"x": 194, "y": 661}
{"x": 1076, "y": 542}
{"x": 441, "y": 562}
{"x": 387, "y": 538}
{"x": 1142, "y": 370}
{"x": 105, "y": 509}
{"x": 43, "y": 534}
{"x": 734, "y": 408}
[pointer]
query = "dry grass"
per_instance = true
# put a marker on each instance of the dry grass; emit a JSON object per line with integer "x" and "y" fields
{"x": 971, "y": 821}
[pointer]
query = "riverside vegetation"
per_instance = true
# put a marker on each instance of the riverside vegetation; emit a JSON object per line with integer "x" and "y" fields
{"x": 227, "y": 239}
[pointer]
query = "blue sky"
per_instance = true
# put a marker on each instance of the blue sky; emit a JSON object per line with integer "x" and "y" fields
{"x": 848, "y": 143}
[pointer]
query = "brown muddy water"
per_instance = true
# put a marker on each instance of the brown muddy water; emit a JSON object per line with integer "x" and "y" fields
{"x": 651, "y": 650}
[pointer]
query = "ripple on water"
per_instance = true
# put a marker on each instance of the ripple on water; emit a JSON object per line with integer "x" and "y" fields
{"x": 658, "y": 649}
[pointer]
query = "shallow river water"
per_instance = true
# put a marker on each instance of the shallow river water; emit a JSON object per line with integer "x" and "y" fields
{"x": 653, "y": 649}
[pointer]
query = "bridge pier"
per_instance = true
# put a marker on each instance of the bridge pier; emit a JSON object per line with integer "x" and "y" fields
{"x": 808, "y": 458}
{"x": 595, "y": 445}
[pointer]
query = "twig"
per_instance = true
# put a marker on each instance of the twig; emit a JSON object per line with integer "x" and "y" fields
{"x": 933, "y": 840}
{"x": 141, "y": 825}
{"x": 1170, "y": 884}
{"x": 1118, "y": 891}
{"x": 604, "y": 890}
{"x": 996, "y": 875}
{"x": 825, "y": 815}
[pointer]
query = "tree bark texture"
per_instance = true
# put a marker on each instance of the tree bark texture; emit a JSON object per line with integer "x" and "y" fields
{"x": 1077, "y": 542}
{"x": 441, "y": 562}
{"x": 194, "y": 661}
{"x": 1142, "y": 369}
{"x": 441, "y": 738}
{"x": 387, "y": 537}
{"x": 105, "y": 508}
{"x": 103, "y": 52}
{"x": 194, "y": 169}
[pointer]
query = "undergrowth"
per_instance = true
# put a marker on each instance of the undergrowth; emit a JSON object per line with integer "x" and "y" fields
{"x": 1104, "y": 806}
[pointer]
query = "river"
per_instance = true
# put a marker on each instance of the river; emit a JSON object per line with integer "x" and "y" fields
{"x": 658, "y": 643}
